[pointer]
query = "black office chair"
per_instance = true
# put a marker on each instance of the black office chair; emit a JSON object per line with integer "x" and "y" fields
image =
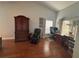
{"x": 36, "y": 36}
{"x": 53, "y": 31}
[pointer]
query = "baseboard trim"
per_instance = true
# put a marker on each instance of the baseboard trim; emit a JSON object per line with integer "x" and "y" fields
{"x": 10, "y": 38}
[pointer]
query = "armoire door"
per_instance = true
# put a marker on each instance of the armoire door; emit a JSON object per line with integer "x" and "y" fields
{"x": 21, "y": 28}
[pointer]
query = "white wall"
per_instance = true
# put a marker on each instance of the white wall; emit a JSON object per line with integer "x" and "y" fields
{"x": 29, "y": 9}
{"x": 72, "y": 11}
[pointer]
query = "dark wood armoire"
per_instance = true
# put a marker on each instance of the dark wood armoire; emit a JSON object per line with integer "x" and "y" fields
{"x": 21, "y": 28}
{"x": 0, "y": 42}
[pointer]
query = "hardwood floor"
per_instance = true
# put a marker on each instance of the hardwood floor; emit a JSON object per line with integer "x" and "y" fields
{"x": 45, "y": 48}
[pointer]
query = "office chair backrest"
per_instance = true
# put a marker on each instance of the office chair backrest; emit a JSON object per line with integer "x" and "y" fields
{"x": 37, "y": 32}
{"x": 53, "y": 30}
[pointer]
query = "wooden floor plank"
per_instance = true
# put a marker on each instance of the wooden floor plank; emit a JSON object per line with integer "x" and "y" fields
{"x": 45, "y": 48}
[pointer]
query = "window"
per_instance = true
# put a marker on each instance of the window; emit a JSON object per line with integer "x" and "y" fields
{"x": 66, "y": 27}
{"x": 49, "y": 23}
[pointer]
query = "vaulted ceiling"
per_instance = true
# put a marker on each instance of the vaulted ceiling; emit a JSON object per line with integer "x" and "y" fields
{"x": 58, "y": 5}
{"x": 54, "y": 5}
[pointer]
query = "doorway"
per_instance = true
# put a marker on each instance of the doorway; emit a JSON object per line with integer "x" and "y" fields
{"x": 48, "y": 24}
